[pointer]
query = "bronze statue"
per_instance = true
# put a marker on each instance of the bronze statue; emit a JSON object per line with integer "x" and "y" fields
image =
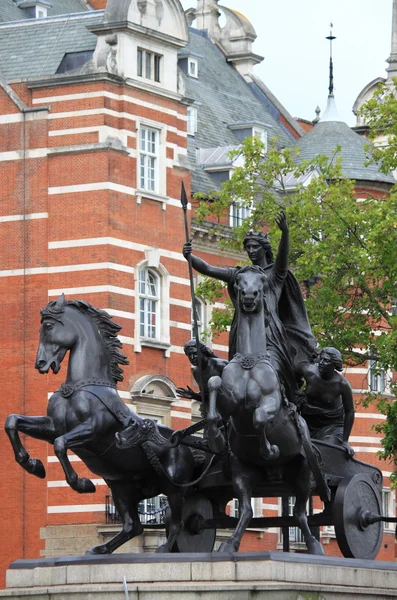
{"x": 327, "y": 403}
{"x": 263, "y": 429}
{"x": 211, "y": 365}
{"x": 289, "y": 337}
{"x": 86, "y": 413}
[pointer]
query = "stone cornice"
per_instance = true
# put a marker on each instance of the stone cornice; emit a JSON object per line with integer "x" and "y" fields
{"x": 206, "y": 239}
{"x": 127, "y": 26}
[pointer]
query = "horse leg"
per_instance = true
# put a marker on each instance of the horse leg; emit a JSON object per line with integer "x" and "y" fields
{"x": 77, "y": 437}
{"x": 242, "y": 487}
{"x": 126, "y": 503}
{"x": 297, "y": 473}
{"x": 264, "y": 391}
{"x": 216, "y": 441}
{"x": 176, "y": 501}
{"x": 260, "y": 420}
{"x": 41, "y": 428}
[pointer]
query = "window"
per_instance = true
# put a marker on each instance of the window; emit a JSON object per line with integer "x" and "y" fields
{"x": 192, "y": 67}
{"x": 153, "y": 510}
{"x": 41, "y": 13}
{"x": 388, "y": 508}
{"x": 200, "y": 307}
{"x": 149, "y": 301}
{"x": 262, "y": 135}
{"x": 149, "y": 65}
{"x": 148, "y": 158}
{"x": 191, "y": 120}
{"x": 377, "y": 378}
{"x": 238, "y": 212}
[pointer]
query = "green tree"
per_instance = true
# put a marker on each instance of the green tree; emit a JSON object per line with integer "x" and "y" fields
{"x": 343, "y": 251}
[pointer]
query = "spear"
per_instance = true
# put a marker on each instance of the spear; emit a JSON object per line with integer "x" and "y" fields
{"x": 184, "y": 202}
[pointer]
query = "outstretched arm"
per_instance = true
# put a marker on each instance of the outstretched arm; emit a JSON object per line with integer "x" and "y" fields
{"x": 204, "y": 268}
{"x": 281, "y": 264}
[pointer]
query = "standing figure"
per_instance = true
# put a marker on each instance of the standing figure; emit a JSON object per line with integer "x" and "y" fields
{"x": 288, "y": 333}
{"x": 327, "y": 405}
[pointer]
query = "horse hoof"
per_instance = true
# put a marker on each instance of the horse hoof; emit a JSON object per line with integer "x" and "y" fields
{"x": 98, "y": 550}
{"x": 162, "y": 549}
{"x": 84, "y": 486}
{"x": 314, "y": 547}
{"x": 227, "y": 548}
{"x": 35, "y": 467}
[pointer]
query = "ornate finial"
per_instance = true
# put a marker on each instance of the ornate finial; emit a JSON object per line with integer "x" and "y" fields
{"x": 318, "y": 113}
{"x": 331, "y": 38}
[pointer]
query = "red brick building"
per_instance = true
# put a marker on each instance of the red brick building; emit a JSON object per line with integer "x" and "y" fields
{"x": 105, "y": 108}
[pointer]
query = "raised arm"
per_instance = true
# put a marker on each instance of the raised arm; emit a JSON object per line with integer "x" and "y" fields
{"x": 281, "y": 264}
{"x": 204, "y": 268}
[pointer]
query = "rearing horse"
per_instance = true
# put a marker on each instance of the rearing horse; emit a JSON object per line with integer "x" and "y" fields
{"x": 263, "y": 430}
{"x": 86, "y": 413}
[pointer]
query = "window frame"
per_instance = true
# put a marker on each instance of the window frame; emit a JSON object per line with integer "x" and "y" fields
{"x": 377, "y": 380}
{"x": 149, "y": 65}
{"x": 192, "y": 121}
{"x": 162, "y": 341}
{"x": 41, "y": 12}
{"x": 260, "y": 133}
{"x": 192, "y": 62}
{"x": 235, "y": 220}
{"x": 147, "y": 298}
{"x": 148, "y": 160}
{"x": 388, "y": 503}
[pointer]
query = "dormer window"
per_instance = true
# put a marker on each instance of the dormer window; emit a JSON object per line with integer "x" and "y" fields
{"x": 41, "y": 12}
{"x": 35, "y": 9}
{"x": 244, "y": 130}
{"x": 192, "y": 67}
{"x": 149, "y": 65}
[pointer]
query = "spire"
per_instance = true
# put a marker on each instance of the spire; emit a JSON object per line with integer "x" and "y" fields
{"x": 331, "y": 112}
{"x": 392, "y": 60}
{"x": 331, "y": 38}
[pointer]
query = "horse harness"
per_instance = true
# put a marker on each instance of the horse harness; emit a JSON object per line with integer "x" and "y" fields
{"x": 114, "y": 405}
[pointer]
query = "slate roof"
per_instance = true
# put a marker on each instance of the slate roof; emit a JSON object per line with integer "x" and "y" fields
{"x": 222, "y": 97}
{"x": 35, "y": 47}
{"x": 327, "y": 135}
{"x": 9, "y": 11}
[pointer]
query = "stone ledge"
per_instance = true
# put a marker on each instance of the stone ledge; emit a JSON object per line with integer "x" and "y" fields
{"x": 208, "y": 574}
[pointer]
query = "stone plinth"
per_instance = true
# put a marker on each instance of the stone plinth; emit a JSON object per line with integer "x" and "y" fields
{"x": 244, "y": 576}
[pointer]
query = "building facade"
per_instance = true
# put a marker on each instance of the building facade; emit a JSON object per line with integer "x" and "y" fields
{"x": 105, "y": 109}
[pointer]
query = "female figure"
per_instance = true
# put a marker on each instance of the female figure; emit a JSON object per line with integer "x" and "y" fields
{"x": 328, "y": 406}
{"x": 288, "y": 335}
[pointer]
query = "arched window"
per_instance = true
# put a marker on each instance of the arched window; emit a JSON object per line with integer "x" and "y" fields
{"x": 149, "y": 304}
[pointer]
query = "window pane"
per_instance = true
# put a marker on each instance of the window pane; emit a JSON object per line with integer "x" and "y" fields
{"x": 140, "y": 63}
{"x": 143, "y": 139}
{"x": 149, "y": 145}
{"x": 148, "y": 66}
{"x": 143, "y": 178}
{"x": 152, "y": 287}
{"x": 142, "y": 317}
{"x": 157, "y": 63}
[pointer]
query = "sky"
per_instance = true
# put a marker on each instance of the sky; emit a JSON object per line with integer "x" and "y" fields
{"x": 291, "y": 37}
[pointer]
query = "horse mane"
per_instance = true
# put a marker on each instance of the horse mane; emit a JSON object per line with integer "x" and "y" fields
{"x": 107, "y": 328}
{"x": 253, "y": 268}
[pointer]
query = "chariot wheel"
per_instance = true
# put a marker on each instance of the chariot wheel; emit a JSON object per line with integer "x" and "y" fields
{"x": 194, "y": 537}
{"x": 356, "y": 500}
